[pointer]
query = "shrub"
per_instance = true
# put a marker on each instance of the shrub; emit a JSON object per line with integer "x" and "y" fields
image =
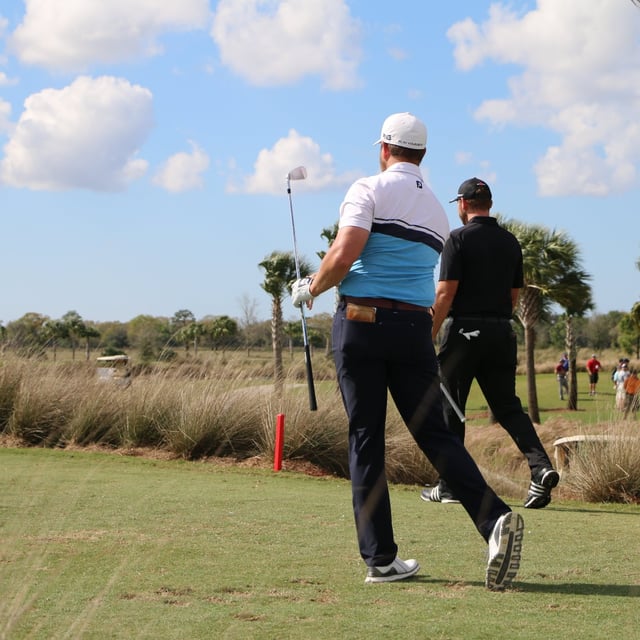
{"x": 608, "y": 471}
{"x": 41, "y": 406}
{"x": 10, "y": 379}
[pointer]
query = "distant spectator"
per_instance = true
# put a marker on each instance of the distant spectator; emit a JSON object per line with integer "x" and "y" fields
{"x": 619, "y": 379}
{"x": 561, "y": 376}
{"x": 564, "y": 361}
{"x": 593, "y": 368}
{"x": 632, "y": 394}
{"x": 615, "y": 370}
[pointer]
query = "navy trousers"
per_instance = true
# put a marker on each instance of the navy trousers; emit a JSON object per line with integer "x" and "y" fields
{"x": 395, "y": 354}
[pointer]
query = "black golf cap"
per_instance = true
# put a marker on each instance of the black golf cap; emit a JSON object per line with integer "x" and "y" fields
{"x": 473, "y": 189}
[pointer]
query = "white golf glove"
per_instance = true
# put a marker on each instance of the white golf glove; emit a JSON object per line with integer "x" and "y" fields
{"x": 300, "y": 291}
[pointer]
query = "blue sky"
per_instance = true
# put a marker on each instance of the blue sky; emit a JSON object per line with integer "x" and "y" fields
{"x": 144, "y": 144}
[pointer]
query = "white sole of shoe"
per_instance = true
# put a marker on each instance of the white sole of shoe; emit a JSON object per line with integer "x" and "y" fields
{"x": 505, "y": 562}
{"x": 392, "y": 578}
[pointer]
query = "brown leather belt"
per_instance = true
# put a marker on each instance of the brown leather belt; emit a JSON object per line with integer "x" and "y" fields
{"x": 385, "y": 303}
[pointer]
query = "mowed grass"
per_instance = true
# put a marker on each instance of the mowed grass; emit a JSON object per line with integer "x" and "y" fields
{"x": 591, "y": 409}
{"x": 99, "y": 546}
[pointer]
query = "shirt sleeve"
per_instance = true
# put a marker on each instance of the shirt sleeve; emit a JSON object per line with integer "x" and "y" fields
{"x": 357, "y": 208}
{"x": 450, "y": 261}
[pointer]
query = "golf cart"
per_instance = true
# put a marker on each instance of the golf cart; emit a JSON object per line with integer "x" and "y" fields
{"x": 114, "y": 369}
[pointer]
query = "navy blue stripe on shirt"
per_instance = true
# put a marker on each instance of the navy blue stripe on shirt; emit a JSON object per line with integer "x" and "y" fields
{"x": 411, "y": 233}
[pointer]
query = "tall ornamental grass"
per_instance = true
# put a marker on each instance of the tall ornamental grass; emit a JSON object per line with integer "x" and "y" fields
{"x": 195, "y": 410}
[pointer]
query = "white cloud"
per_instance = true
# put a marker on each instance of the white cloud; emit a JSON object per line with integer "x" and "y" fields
{"x": 5, "y": 115}
{"x": 183, "y": 171}
{"x": 84, "y": 136}
{"x": 273, "y": 165}
{"x": 580, "y": 78}
{"x": 277, "y": 42}
{"x": 71, "y": 35}
{"x": 6, "y": 81}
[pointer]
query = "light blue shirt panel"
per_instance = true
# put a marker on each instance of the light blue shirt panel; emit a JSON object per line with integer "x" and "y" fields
{"x": 387, "y": 269}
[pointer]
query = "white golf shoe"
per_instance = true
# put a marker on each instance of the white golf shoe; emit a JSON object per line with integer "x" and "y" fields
{"x": 505, "y": 548}
{"x": 397, "y": 570}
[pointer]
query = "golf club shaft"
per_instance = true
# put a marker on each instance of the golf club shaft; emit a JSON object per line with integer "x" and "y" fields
{"x": 452, "y": 402}
{"x": 313, "y": 404}
{"x": 293, "y": 231}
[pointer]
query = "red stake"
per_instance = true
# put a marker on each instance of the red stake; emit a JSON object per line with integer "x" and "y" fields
{"x": 277, "y": 453}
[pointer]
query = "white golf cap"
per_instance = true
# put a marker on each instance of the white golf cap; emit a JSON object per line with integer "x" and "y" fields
{"x": 404, "y": 130}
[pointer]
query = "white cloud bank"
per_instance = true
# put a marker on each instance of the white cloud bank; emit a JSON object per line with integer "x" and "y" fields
{"x": 84, "y": 136}
{"x": 269, "y": 42}
{"x": 580, "y": 78}
{"x": 183, "y": 171}
{"x": 71, "y": 35}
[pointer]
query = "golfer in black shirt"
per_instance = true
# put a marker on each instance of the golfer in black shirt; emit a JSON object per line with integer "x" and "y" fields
{"x": 480, "y": 279}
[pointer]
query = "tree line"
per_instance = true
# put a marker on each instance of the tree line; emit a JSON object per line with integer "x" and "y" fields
{"x": 152, "y": 337}
{"x": 36, "y": 333}
{"x": 552, "y": 312}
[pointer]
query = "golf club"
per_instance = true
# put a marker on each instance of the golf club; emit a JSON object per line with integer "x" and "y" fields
{"x": 452, "y": 402}
{"x": 300, "y": 173}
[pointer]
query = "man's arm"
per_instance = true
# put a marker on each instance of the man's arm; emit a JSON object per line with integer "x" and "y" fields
{"x": 346, "y": 248}
{"x": 445, "y": 293}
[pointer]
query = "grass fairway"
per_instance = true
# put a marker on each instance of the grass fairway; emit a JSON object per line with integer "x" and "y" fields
{"x": 104, "y": 546}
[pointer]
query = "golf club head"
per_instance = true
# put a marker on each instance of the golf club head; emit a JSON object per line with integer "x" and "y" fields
{"x": 299, "y": 173}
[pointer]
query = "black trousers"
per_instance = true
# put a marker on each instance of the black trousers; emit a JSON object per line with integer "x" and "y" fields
{"x": 395, "y": 355}
{"x": 486, "y": 349}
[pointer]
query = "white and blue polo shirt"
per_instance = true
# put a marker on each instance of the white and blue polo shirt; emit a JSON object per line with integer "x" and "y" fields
{"x": 408, "y": 229}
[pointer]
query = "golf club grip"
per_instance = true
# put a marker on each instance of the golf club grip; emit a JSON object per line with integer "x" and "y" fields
{"x": 313, "y": 405}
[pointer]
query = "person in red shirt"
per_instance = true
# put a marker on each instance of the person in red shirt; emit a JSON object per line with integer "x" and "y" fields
{"x": 593, "y": 367}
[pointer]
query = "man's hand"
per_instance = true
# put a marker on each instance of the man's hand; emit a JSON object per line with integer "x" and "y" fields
{"x": 300, "y": 292}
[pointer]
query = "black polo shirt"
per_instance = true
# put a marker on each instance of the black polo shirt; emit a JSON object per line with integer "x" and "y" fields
{"x": 486, "y": 260}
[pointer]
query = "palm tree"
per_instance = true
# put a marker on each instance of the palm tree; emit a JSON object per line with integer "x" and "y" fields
{"x": 629, "y": 331}
{"x": 552, "y": 273}
{"x": 87, "y": 332}
{"x": 329, "y": 234}
{"x": 574, "y": 295}
{"x": 55, "y": 330}
{"x": 219, "y": 329}
{"x": 280, "y": 272}
{"x": 75, "y": 326}
{"x": 180, "y": 324}
{"x": 190, "y": 334}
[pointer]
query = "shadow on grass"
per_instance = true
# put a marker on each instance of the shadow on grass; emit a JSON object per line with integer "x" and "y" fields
{"x": 567, "y": 588}
{"x": 590, "y": 510}
{"x": 582, "y": 589}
